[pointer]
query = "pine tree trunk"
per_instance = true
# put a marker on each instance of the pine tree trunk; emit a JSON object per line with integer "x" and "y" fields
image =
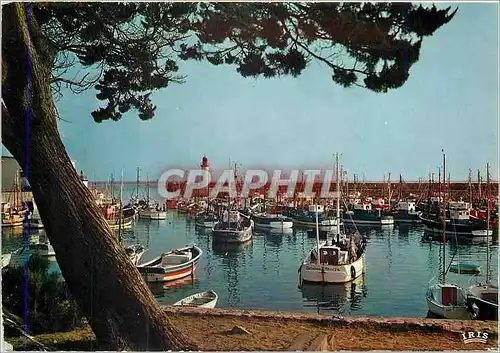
{"x": 119, "y": 306}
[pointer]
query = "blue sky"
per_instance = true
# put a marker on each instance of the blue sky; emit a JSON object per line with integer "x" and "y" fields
{"x": 450, "y": 101}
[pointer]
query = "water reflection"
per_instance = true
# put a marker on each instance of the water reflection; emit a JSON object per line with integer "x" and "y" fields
{"x": 273, "y": 239}
{"x": 159, "y": 290}
{"x": 233, "y": 259}
{"x": 229, "y": 249}
{"x": 337, "y": 298}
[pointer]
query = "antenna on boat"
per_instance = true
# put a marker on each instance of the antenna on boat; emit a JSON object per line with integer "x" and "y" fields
{"x": 488, "y": 269}
{"x": 120, "y": 218}
{"x": 444, "y": 218}
{"x": 338, "y": 194}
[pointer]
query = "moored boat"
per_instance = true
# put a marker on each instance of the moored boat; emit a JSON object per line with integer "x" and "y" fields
{"x": 465, "y": 268}
{"x": 172, "y": 265}
{"x": 233, "y": 228}
{"x": 482, "y": 298}
{"x": 158, "y": 215}
{"x": 362, "y": 213}
{"x": 125, "y": 223}
{"x": 205, "y": 220}
{"x": 272, "y": 221}
{"x": 12, "y": 220}
{"x": 339, "y": 261}
{"x": 135, "y": 252}
{"x": 457, "y": 222}
{"x": 446, "y": 300}
{"x": 308, "y": 217}
{"x": 406, "y": 213}
{"x": 206, "y": 299}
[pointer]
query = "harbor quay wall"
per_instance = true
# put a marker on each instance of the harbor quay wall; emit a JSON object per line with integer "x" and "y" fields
{"x": 456, "y": 190}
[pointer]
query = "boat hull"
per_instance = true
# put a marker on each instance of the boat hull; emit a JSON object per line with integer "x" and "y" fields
{"x": 206, "y": 300}
{"x": 452, "y": 228}
{"x": 157, "y": 216}
{"x": 205, "y": 224}
{"x": 168, "y": 276}
{"x": 481, "y": 307}
{"x": 313, "y": 273}
{"x": 33, "y": 224}
{"x": 437, "y": 308}
{"x": 275, "y": 225}
{"x": 236, "y": 236}
{"x": 232, "y": 236}
{"x": 152, "y": 271}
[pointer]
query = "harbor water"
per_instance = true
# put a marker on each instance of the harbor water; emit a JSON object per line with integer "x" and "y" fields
{"x": 263, "y": 274}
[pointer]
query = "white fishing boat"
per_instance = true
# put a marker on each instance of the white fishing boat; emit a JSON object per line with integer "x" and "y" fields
{"x": 158, "y": 215}
{"x": 448, "y": 301}
{"x": 206, "y": 299}
{"x": 444, "y": 299}
{"x": 6, "y": 259}
{"x": 482, "y": 298}
{"x": 173, "y": 265}
{"x": 340, "y": 261}
{"x": 135, "y": 252}
{"x": 20, "y": 256}
{"x": 34, "y": 220}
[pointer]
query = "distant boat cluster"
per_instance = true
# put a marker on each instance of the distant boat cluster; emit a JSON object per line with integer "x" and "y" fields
{"x": 339, "y": 254}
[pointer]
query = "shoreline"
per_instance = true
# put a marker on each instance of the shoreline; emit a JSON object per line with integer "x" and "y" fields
{"x": 252, "y": 330}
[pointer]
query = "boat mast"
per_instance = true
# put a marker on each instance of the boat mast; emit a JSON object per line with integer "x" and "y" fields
{"x": 444, "y": 219}
{"x": 488, "y": 225}
{"x": 389, "y": 190}
{"x": 338, "y": 194}
{"x": 317, "y": 235}
{"x": 479, "y": 183}
{"x": 229, "y": 200}
{"x": 112, "y": 187}
{"x": 147, "y": 189}
{"x": 120, "y": 218}
{"x": 470, "y": 188}
{"x": 137, "y": 184}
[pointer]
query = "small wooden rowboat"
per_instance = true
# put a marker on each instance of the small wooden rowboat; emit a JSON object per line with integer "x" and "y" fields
{"x": 206, "y": 299}
{"x": 173, "y": 265}
{"x": 465, "y": 268}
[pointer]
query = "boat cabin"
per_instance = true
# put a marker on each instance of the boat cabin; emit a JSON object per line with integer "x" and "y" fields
{"x": 232, "y": 216}
{"x": 316, "y": 208}
{"x": 408, "y": 206}
{"x": 459, "y": 211}
{"x": 365, "y": 206}
{"x": 332, "y": 255}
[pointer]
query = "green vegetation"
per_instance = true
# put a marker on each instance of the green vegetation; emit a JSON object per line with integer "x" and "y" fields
{"x": 50, "y": 306}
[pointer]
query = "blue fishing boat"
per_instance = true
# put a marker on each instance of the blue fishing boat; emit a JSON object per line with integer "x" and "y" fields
{"x": 406, "y": 213}
{"x": 362, "y": 213}
{"x": 272, "y": 221}
{"x": 233, "y": 228}
{"x": 205, "y": 220}
{"x": 308, "y": 217}
{"x": 457, "y": 221}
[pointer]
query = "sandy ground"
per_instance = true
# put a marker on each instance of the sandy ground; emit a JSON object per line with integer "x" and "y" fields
{"x": 214, "y": 330}
{"x": 211, "y": 330}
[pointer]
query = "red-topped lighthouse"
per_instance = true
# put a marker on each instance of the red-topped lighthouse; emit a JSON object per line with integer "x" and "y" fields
{"x": 205, "y": 164}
